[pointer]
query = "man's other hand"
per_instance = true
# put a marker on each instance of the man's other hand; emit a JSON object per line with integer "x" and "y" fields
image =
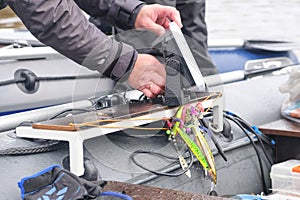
{"x": 148, "y": 75}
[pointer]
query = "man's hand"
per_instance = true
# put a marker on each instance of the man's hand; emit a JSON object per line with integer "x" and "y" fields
{"x": 157, "y": 18}
{"x": 148, "y": 76}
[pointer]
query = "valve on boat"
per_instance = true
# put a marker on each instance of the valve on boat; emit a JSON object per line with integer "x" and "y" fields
{"x": 26, "y": 81}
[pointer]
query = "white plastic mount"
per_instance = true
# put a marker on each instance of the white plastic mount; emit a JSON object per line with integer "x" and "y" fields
{"x": 77, "y": 138}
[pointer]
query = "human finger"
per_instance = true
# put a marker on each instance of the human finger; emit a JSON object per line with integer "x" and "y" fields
{"x": 159, "y": 79}
{"x": 151, "y": 89}
{"x": 154, "y": 27}
{"x": 156, "y": 89}
{"x": 148, "y": 93}
{"x": 172, "y": 14}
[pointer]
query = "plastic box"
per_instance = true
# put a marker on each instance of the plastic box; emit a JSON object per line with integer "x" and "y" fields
{"x": 286, "y": 177}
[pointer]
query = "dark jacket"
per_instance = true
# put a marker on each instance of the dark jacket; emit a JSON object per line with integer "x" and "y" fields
{"x": 2, "y": 4}
{"x": 62, "y": 25}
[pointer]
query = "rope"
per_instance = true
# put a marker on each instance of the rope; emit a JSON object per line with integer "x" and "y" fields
{"x": 12, "y": 81}
{"x": 16, "y": 151}
{"x": 53, "y": 78}
{"x": 208, "y": 97}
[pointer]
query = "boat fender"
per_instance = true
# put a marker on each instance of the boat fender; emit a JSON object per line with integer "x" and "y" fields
{"x": 27, "y": 81}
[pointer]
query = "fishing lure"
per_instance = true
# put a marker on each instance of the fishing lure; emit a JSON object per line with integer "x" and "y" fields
{"x": 202, "y": 142}
{"x": 185, "y": 124}
{"x": 179, "y": 149}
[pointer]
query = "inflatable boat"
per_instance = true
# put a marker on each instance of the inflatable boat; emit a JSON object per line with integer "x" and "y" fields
{"x": 250, "y": 74}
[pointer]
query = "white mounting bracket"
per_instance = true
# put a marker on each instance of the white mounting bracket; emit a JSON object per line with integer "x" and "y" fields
{"x": 76, "y": 138}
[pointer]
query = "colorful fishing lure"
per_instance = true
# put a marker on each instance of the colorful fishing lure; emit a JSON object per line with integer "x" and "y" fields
{"x": 185, "y": 124}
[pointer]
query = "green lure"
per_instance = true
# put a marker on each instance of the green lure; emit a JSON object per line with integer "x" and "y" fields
{"x": 190, "y": 143}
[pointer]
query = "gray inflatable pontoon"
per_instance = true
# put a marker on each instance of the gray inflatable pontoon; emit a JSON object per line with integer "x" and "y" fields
{"x": 258, "y": 101}
{"x": 35, "y": 77}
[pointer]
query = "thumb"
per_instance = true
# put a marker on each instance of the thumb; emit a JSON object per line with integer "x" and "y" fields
{"x": 156, "y": 28}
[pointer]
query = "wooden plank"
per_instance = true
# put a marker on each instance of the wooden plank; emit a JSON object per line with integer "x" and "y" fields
{"x": 55, "y": 127}
{"x": 140, "y": 192}
{"x": 281, "y": 127}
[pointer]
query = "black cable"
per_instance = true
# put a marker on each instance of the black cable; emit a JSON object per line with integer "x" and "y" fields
{"x": 265, "y": 188}
{"x": 249, "y": 128}
{"x": 216, "y": 143}
{"x": 132, "y": 157}
{"x": 259, "y": 137}
{"x": 246, "y": 127}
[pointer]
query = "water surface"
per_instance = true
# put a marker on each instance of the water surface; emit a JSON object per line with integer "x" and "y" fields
{"x": 256, "y": 19}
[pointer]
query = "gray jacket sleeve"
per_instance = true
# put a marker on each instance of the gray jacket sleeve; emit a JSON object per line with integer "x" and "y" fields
{"x": 2, "y": 4}
{"x": 62, "y": 26}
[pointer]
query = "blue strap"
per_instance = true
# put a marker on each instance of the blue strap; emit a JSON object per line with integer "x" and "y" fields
{"x": 116, "y": 194}
{"x": 255, "y": 128}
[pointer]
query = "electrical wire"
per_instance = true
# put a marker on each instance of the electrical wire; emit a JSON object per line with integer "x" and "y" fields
{"x": 259, "y": 137}
{"x": 246, "y": 128}
{"x": 250, "y": 128}
{"x": 204, "y": 124}
{"x": 132, "y": 157}
{"x": 264, "y": 184}
{"x": 260, "y": 141}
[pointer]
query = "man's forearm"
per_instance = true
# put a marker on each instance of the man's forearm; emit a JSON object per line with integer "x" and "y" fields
{"x": 61, "y": 25}
{"x": 120, "y": 13}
